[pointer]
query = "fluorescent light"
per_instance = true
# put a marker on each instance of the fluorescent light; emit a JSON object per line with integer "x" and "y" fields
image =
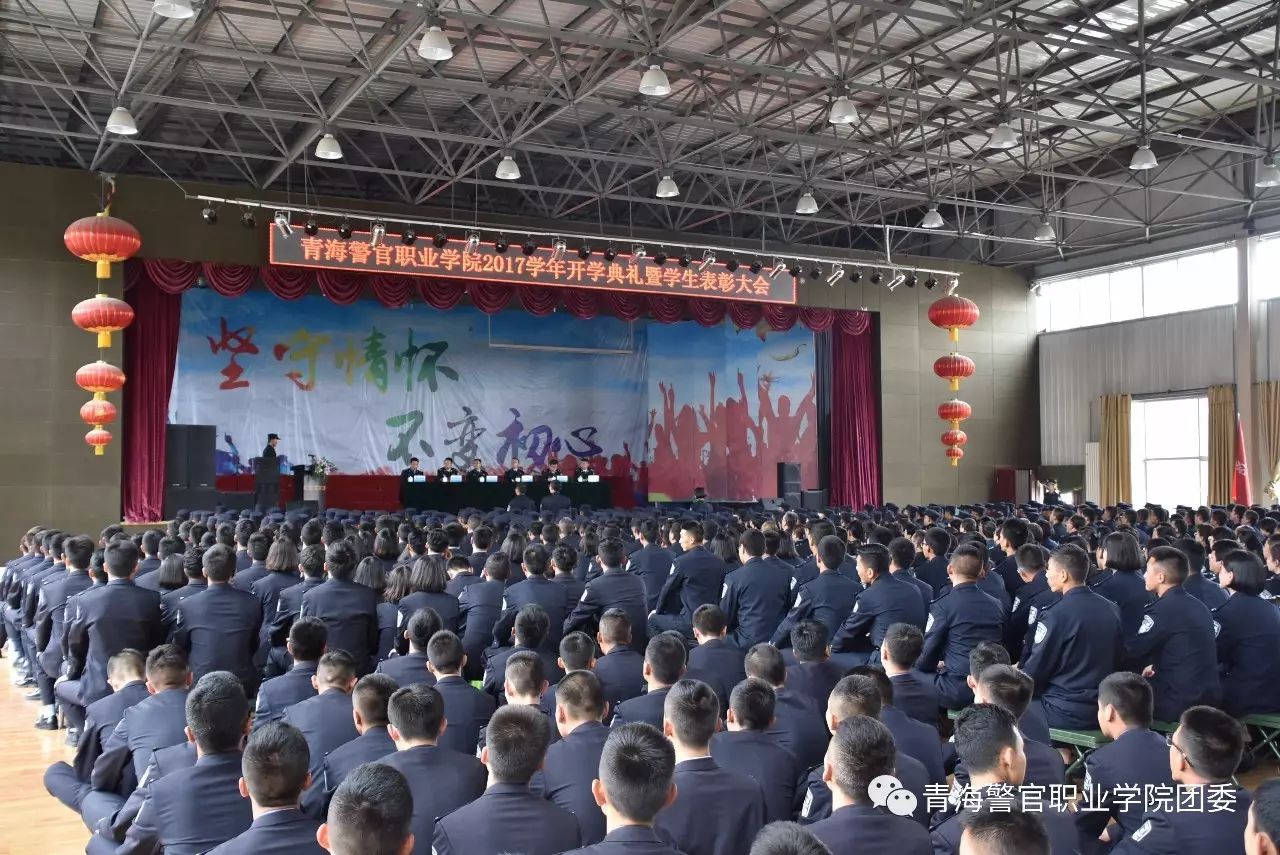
{"x": 435, "y": 46}
{"x": 1268, "y": 174}
{"x": 654, "y": 82}
{"x": 1003, "y": 136}
{"x": 778, "y": 266}
{"x": 1143, "y": 158}
{"x": 837, "y": 273}
{"x": 667, "y": 188}
{"x": 328, "y": 148}
{"x": 121, "y": 122}
{"x": 508, "y": 169}
{"x": 806, "y": 204}
{"x": 843, "y": 111}
{"x": 179, "y": 10}
{"x": 932, "y": 219}
{"x": 1044, "y": 232}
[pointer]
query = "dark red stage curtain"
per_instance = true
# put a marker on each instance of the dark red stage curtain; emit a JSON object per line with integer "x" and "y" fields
{"x": 341, "y": 288}
{"x": 538, "y": 300}
{"x": 854, "y": 470}
{"x": 171, "y": 277}
{"x": 489, "y": 297}
{"x": 150, "y": 350}
{"x": 582, "y": 304}
{"x": 708, "y": 313}
{"x": 392, "y": 291}
{"x": 441, "y": 294}
{"x": 229, "y": 280}
{"x": 287, "y": 283}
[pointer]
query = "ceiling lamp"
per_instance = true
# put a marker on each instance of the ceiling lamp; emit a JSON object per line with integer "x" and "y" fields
{"x": 529, "y": 247}
{"x": 667, "y": 188}
{"x": 344, "y": 230}
{"x": 843, "y": 111}
{"x": 837, "y": 273}
{"x": 708, "y": 259}
{"x": 377, "y": 233}
{"x": 179, "y": 10}
{"x": 281, "y": 220}
{"x": 806, "y": 204}
{"x": 558, "y": 247}
{"x": 121, "y": 122}
{"x": 311, "y": 227}
{"x": 439, "y": 240}
{"x": 409, "y": 236}
{"x": 1268, "y": 174}
{"x": 435, "y": 46}
{"x": 1002, "y": 137}
{"x": 328, "y": 148}
{"x": 1143, "y": 158}
{"x": 654, "y": 81}
{"x": 1044, "y": 231}
{"x": 508, "y": 169}
{"x": 473, "y": 244}
{"x": 932, "y": 219}
{"x": 501, "y": 244}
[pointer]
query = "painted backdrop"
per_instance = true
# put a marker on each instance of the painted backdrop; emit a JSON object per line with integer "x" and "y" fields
{"x": 674, "y": 406}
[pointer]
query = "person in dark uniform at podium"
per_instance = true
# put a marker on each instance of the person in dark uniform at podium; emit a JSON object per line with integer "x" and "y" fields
{"x": 476, "y": 473}
{"x": 270, "y": 451}
{"x": 520, "y": 503}
{"x": 584, "y": 471}
{"x": 413, "y": 473}
{"x": 555, "y": 501}
{"x": 515, "y": 471}
{"x": 448, "y": 470}
{"x": 552, "y": 471}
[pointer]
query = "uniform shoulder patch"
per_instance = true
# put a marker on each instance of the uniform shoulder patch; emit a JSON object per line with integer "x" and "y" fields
{"x": 1041, "y": 632}
{"x": 1148, "y": 623}
{"x": 928, "y": 624}
{"x": 1032, "y": 614}
{"x": 1217, "y": 628}
{"x": 1142, "y": 831}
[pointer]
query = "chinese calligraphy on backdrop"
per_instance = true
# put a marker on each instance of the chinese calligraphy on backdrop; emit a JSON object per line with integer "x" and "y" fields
{"x": 672, "y": 406}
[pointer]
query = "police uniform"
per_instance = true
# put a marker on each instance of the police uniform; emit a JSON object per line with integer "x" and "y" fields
{"x": 629, "y": 840}
{"x": 107, "y": 619}
{"x": 716, "y": 812}
{"x": 828, "y": 599}
{"x": 555, "y": 503}
{"x": 621, "y": 673}
{"x": 718, "y": 663}
{"x": 916, "y": 740}
{"x": 326, "y": 723}
{"x": 50, "y": 626}
{"x": 1075, "y": 645}
{"x": 573, "y": 589}
{"x": 815, "y": 795}
{"x": 534, "y": 590}
{"x": 567, "y": 772}
{"x": 992, "y": 584}
{"x": 799, "y": 727}
{"x": 467, "y": 710}
{"x": 862, "y": 828}
{"x": 495, "y": 668}
{"x": 1176, "y": 638}
{"x": 289, "y": 608}
{"x": 70, "y": 783}
{"x": 196, "y": 809}
{"x": 469, "y": 577}
{"x": 285, "y": 831}
{"x": 219, "y": 630}
{"x": 244, "y": 580}
{"x": 1044, "y": 766}
{"x": 474, "y": 475}
{"x": 1028, "y": 604}
{"x": 887, "y": 601}
{"x": 514, "y": 473}
{"x": 1248, "y": 637}
{"x": 812, "y": 680}
{"x": 958, "y": 622}
{"x": 651, "y": 563}
{"x": 934, "y": 573}
{"x": 915, "y": 695}
{"x": 1205, "y": 589}
{"x": 447, "y": 472}
{"x": 1137, "y": 758}
{"x": 446, "y": 605}
{"x": 613, "y": 589}
{"x": 507, "y": 818}
{"x": 110, "y": 818}
{"x": 374, "y": 744}
{"x": 1127, "y": 590}
{"x": 774, "y": 768}
{"x": 440, "y": 781}
{"x": 279, "y": 693}
{"x": 646, "y": 708}
{"x": 1061, "y": 831}
{"x": 520, "y": 505}
{"x": 696, "y": 578}
{"x": 268, "y": 590}
{"x": 479, "y": 607}
{"x": 408, "y": 669}
{"x": 1220, "y": 829}
{"x": 154, "y": 722}
{"x": 1007, "y": 569}
{"x": 755, "y": 600}
{"x": 925, "y": 589}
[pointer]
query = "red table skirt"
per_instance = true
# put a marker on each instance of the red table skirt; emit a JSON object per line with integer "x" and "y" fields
{"x": 382, "y": 492}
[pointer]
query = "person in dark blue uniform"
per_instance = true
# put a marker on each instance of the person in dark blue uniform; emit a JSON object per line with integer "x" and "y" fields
{"x": 994, "y": 832}
{"x": 51, "y": 621}
{"x": 1174, "y": 643}
{"x": 614, "y": 588}
{"x": 274, "y": 772}
{"x": 1010, "y": 689}
{"x": 1032, "y": 599}
{"x": 564, "y": 559}
{"x": 902, "y": 556}
{"x": 289, "y": 608}
{"x": 259, "y": 547}
{"x": 218, "y": 628}
{"x": 717, "y": 811}
{"x": 1203, "y": 754}
{"x": 913, "y": 692}
{"x": 714, "y": 660}
{"x": 811, "y": 672}
{"x": 479, "y": 607}
{"x": 797, "y": 721}
{"x": 635, "y": 784}
{"x": 536, "y": 589}
{"x": 756, "y": 595}
{"x": 936, "y": 547}
{"x": 787, "y": 838}
{"x": 350, "y": 611}
{"x": 326, "y": 719}
{"x": 1248, "y": 635}
{"x": 555, "y": 501}
{"x": 414, "y": 666}
{"x": 509, "y": 817}
{"x": 307, "y": 639}
{"x": 200, "y": 807}
{"x": 1120, "y": 580}
{"x": 514, "y": 471}
{"x": 1205, "y": 588}
{"x": 915, "y": 739}
{"x": 476, "y": 473}
{"x": 371, "y": 812}
{"x": 697, "y": 577}
{"x": 1135, "y": 757}
{"x": 1262, "y": 833}
{"x": 619, "y": 669}
{"x": 520, "y": 503}
{"x": 447, "y": 470}
{"x": 1074, "y": 645}
{"x": 282, "y": 567}
{"x": 467, "y": 708}
{"x": 664, "y": 663}
{"x": 747, "y": 748}
{"x": 651, "y": 562}
{"x": 369, "y": 702}
{"x": 1013, "y": 534}
{"x": 887, "y": 600}
{"x": 441, "y": 779}
{"x": 829, "y": 598}
{"x": 574, "y": 762}
{"x": 957, "y": 622}
{"x": 531, "y": 627}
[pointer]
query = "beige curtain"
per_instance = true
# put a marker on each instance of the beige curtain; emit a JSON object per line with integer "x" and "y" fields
{"x": 1222, "y": 442}
{"x": 1117, "y": 477}
{"x": 1267, "y": 403}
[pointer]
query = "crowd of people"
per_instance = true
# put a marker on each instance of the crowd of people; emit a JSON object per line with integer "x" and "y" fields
{"x": 704, "y": 681}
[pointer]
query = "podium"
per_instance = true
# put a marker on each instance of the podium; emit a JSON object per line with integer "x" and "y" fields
{"x": 266, "y": 483}
{"x": 307, "y": 487}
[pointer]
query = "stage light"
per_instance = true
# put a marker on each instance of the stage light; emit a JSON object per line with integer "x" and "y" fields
{"x": 377, "y": 232}
{"x": 931, "y": 282}
{"x": 806, "y": 204}
{"x": 667, "y": 188}
{"x": 209, "y": 214}
{"x": 344, "y": 230}
{"x": 435, "y": 46}
{"x": 731, "y": 264}
{"x": 843, "y": 111}
{"x": 249, "y": 220}
{"x": 121, "y": 122}
{"x": 876, "y": 277}
{"x": 610, "y": 253}
{"x": 408, "y": 237}
{"x": 778, "y": 266}
{"x": 178, "y": 10}
{"x": 708, "y": 259}
{"x": 1002, "y": 137}
{"x": 814, "y": 272}
{"x": 529, "y": 247}
{"x": 660, "y": 257}
{"x": 328, "y": 148}
{"x": 1268, "y": 174}
{"x": 897, "y": 280}
{"x": 795, "y": 271}
{"x": 932, "y": 219}
{"x": 756, "y": 266}
{"x": 911, "y": 280}
{"x": 473, "y": 243}
{"x": 654, "y": 81}
{"x": 685, "y": 259}
{"x": 500, "y": 245}
{"x": 1044, "y": 232}
{"x": 558, "y": 247}
{"x": 508, "y": 169}
{"x": 855, "y": 275}
{"x": 1143, "y": 158}
{"x": 311, "y": 227}
{"x": 584, "y": 252}
{"x": 637, "y": 254}
{"x": 440, "y": 239}
{"x": 281, "y": 220}
{"x": 837, "y": 273}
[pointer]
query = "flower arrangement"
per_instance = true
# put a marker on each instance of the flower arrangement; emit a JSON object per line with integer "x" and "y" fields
{"x": 322, "y": 467}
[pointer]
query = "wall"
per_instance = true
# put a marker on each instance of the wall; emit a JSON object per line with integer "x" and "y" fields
{"x": 45, "y": 466}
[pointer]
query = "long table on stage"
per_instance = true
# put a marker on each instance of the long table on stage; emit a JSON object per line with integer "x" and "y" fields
{"x": 451, "y": 497}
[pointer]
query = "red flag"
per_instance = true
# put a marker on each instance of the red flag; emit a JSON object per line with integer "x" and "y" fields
{"x": 1240, "y": 477}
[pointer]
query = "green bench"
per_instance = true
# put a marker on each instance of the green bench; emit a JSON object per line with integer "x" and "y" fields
{"x": 1081, "y": 743}
{"x": 1164, "y": 726}
{"x": 1268, "y": 727}
{"x": 479, "y": 684}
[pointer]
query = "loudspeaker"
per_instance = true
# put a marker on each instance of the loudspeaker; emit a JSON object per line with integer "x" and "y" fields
{"x": 176, "y": 468}
{"x": 789, "y": 478}
{"x": 814, "y": 500}
{"x": 201, "y": 456}
{"x": 792, "y": 500}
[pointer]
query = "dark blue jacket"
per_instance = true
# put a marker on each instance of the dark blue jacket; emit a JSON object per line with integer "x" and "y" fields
{"x": 268, "y": 589}
{"x": 153, "y": 723}
{"x": 108, "y": 619}
{"x": 1127, "y": 590}
{"x": 621, "y": 673}
{"x": 101, "y": 719}
{"x": 1248, "y": 637}
{"x": 571, "y": 765}
{"x": 718, "y": 663}
{"x": 958, "y": 621}
{"x": 573, "y": 589}
{"x": 507, "y": 818}
{"x": 716, "y": 811}
{"x": 915, "y": 695}
{"x": 350, "y": 612}
{"x": 374, "y": 744}
{"x": 495, "y": 667}
{"x": 288, "y": 608}
{"x": 613, "y": 589}
{"x": 407, "y": 669}
{"x": 799, "y": 727}
{"x": 534, "y": 590}
{"x": 916, "y": 740}
{"x": 1074, "y": 645}
{"x": 630, "y": 840}
{"x": 1206, "y": 590}
{"x": 440, "y": 781}
{"x": 467, "y": 710}
{"x": 281, "y": 832}
{"x": 696, "y": 578}
{"x": 855, "y": 829}
{"x": 245, "y": 579}
{"x": 887, "y": 601}
{"x": 756, "y": 598}
{"x": 815, "y": 796}
{"x": 755, "y": 754}
{"x": 326, "y": 723}
{"x": 219, "y": 630}
{"x": 934, "y": 573}
{"x": 279, "y": 693}
{"x": 445, "y": 604}
{"x": 1176, "y": 638}
{"x": 828, "y": 599}
{"x": 197, "y": 809}
{"x": 51, "y": 617}
{"x": 814, "y": 680}
{"x": 1061, "y": 829}
{"x": 1176, "y": 832}
{"x": 479, "y": 607}
{"x": 652, "y": 564}
{"x": 1031, "y": 600}
{"x": 1138, "y": 758}
{"x": 646, "y": 708}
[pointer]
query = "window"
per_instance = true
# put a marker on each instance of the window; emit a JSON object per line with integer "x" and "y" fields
{"x": 1266, "y": 261}
{"x": 1169, "y": 450}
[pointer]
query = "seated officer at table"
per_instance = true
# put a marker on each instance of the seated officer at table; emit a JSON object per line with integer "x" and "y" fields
{"x": 476, "y": 472}
{"x": 555, "y": 501}
{"x": 514, "y": 471}
{"x": 448, "y": 470}
{"x": 552, "y": 471}
{"x": 414, "y": 473}
{"x": 584, "y": 471}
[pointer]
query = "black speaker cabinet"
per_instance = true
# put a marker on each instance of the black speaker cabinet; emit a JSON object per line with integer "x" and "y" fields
{"x": 201, "y": 456}
{"x": 176, "y": 467}
{"x": 789, "y": 478}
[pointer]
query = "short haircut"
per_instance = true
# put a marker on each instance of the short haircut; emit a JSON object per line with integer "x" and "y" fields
{"x": 274, "y": 764}
{"x": 968, "y": 561}
{"x": 876, "y": 673}
{"x": 665, "y": 655}
{"x": 258, "y": 546}
{"x": 416, "y": 711}
{"x": 307, "y": 638}
{"x": 532, "y": 625}
{"x": 370, "y": 698}
{"x": 371, "y": 812}
{"x": 753, "y": 702}
{"x": 128, "y": 664}
{"x": 535, "y": 558}
{"x": 765, "y": 661}
{"x": 217, "y": 711}
{"x": 904, "y": 643}
{"x": 336, "y": 666}
{"x": 219, "y": 563}
{"x": 861, "y": 750}
{"x": 445, "y": 652}
{"x": 787, "y": 838}
{"x": 167, "y": 665}
{"x": 611, "y": 552}
{"x": 1030, "y": 558}
{"x": 875, "y": 557}
{"x": 423, "y": 624}
{"x": 1073, "y": 561}
{"x": 694, "y": 528}
{"x": 1008, "y": 687}
{"x": 693, "y": 710}
{"x": 636, "y": 769}
{"x": 577, "y": 650}
{"x": 581, "y": 694}
{"x": 809, "y": 640}
{"x": 855, "y": 695}
{"x": 340, "y": 559}
{"x": 752, "y": 542}
{"x": 938, "y": 539}
{"x": 985, "y": 654}
{"x": 311, "y": 560}
{"x": 831, "y": 551}
{"x": 79, "y": 551}
{"x": 120, "y": 558}
{"x": 1266, "y": 808}
{"x": 526, "y": 673}
{"x": 1194, "y": 551}
{"x": 982, "y": 732}
{"x": 1172, "y": 561}
{"x": 709, "y": 619}
{"x": 1212, "y": 742}
{"x": 1131, "y": 696}
{"x": 1006, "y": 832}
{"x": 497, "y": 567}
{"x": 517, "y": 737}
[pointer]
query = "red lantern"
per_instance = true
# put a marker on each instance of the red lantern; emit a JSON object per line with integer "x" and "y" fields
{"x": 102, "y": 315}
{"x": 98, "y": 438}
{"x": 955, "y": 454}
{"x": 102, "y": 239}
{"x": 955, "y": 412}
{"x": 954, "y": 313}
{"x": 954, "y": 437}
{"x": 99, "y": 378}
{"x": 98, "y": 412}
{"x": 953, "y": 367}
